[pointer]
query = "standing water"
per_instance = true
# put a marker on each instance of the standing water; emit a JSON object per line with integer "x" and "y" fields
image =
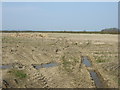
{"x": 86, "y": 61}
{"x": 96, "y": 79}
{"x": 94, "y": 75}
{"x": 5, "y": 66}
{"x": 45, "y": 65}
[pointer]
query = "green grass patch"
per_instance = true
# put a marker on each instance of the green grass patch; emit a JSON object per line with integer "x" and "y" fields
{"x": 19, "y": 73}
{"x": 103, "y": 52}
{"x": 100, "y": 61}
{"x": 69, "y": 62}
{"x": 118, "y": 81}
{"x": 66, "y": 64}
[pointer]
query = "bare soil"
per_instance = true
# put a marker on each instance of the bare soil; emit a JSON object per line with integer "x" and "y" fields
{"x": 23, "y": 50}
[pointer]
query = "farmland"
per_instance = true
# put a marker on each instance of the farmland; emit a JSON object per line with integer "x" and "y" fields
{"x": 54, "y": 60}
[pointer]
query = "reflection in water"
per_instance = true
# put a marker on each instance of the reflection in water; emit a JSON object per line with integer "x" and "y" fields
{"x": 93, "y": 74}
{"x": 96, "y": 79}
{"x": 86, "y": 61}
{"x": 45, "y": 65}
{"x": 5, "y": 66}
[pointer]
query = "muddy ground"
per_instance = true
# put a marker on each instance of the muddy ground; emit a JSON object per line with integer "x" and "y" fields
{"x": 22, "y": 52}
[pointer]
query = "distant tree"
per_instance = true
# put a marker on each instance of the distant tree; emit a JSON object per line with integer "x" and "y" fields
{"x": 84, "y": 31}
{"x": 110, "y": 30}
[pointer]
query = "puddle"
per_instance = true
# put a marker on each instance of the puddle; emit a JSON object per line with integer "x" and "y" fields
{"x": 86, "y": 61}
{"x": 38, "y": 66}
{"x": 12, "y": 65}
{"x": 96, "y": 79}
{"x": 95, "y": 76}
{"x": 5, "y": 66}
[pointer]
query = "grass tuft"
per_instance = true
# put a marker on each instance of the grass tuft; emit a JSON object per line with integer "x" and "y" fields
{"x": 100, "y": 61}
{"x": 19, "y": 73}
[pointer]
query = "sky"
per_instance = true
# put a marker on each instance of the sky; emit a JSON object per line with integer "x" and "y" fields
{"x": 71, "y": 16}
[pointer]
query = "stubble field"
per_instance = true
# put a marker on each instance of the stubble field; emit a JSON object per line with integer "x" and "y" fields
{"x": 55, "y": 60}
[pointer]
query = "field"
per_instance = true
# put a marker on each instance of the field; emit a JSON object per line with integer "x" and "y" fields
{"x": 54, "y": 60}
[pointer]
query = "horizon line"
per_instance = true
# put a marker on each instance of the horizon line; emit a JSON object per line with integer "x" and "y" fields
{"x": 50, "y": 30}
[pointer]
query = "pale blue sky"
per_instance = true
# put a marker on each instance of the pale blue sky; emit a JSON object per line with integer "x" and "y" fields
{"x": 59, "y": 15}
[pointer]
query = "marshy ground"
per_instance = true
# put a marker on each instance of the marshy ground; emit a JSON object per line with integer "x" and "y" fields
{"x": 54, "y": 60}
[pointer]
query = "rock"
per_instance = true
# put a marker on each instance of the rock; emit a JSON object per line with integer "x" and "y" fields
{"x": 56, "y": 50}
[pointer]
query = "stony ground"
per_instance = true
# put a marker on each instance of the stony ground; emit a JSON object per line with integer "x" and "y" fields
{"x": 22, "y": 50}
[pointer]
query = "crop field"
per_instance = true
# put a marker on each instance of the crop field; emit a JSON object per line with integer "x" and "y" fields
{"x": 59, "y": 60}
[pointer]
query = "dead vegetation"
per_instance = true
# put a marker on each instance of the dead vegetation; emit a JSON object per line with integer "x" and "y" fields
{"x": 26, "y": 49}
